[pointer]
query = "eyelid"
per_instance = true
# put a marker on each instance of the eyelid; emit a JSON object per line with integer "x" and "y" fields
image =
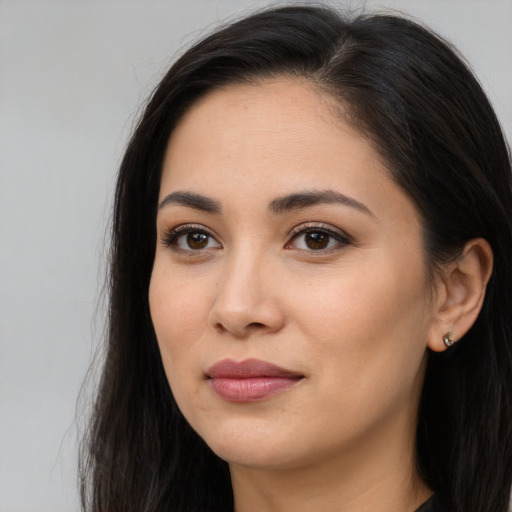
{"x": 320, "y": 226}
{"x": 337, "y": 234}
{"x": 169, "y": 236}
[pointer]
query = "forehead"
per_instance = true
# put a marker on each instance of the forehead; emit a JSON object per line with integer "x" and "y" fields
{"x": 278, "y": 131}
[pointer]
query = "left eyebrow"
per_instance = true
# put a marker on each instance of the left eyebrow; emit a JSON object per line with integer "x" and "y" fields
{"x": 300, "y": 200}
{"x": 191, "y": 200}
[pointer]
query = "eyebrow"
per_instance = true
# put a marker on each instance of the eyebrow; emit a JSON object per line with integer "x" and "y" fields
{"x": 291, "y": 202}
{"x": 307, "y": 198}
{"x": 191, "y": 200}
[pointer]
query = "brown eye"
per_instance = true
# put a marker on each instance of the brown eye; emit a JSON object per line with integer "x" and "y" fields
{"x": 316, "y": 240}
{"x": 190, "y": 239}
{"x": 197, "y": 241}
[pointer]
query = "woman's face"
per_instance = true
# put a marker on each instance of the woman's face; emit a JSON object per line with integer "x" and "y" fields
{"x": 289, "y": 291}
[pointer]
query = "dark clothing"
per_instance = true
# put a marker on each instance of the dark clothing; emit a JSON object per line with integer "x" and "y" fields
{"x": 432, "y": 505}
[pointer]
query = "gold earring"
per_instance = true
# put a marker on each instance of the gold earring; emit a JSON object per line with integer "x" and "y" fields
{"x": 447, "y": 340}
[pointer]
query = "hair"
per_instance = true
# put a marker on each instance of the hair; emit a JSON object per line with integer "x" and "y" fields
{"x": 406, "y": 90}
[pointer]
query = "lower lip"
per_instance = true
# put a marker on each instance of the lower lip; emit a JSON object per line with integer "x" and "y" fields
{"x": 252, "y": 389}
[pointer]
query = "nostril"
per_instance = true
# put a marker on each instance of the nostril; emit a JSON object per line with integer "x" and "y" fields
{"x": 242, "y": 317}
{"x": 243, "y": 332}
{"x": 256, "y": 325}
{"x": 219, "y": 327}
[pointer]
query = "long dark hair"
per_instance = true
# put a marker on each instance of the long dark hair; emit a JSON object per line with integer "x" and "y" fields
{"x": 413, "y": 97}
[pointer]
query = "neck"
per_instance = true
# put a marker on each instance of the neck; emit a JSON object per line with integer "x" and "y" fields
{"x": 378, "y": 473}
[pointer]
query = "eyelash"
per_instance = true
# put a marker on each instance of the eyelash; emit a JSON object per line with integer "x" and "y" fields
{"x": 341, "y": 238}
{"x": 171, "y": 238}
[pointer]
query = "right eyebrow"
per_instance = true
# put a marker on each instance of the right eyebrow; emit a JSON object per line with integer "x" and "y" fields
{"x": 306, "y": 198}
{"x": 191, "y": 200}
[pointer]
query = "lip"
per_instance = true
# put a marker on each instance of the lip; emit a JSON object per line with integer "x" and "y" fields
{"x": 250, "y": 380}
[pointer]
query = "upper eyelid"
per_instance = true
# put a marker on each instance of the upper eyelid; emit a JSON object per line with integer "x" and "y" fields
{"x": 321, "y": 226}
{"x": 296, "y": 230}
{"x": 185, "y": 227}
{"x": 169, "y": 235}
{"x": 339, "y": 237}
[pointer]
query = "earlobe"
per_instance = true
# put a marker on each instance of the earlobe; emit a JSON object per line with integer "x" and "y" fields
{"x": 461, "y": 293}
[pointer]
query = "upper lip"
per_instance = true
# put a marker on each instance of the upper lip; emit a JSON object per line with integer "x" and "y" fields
{"x": 249, "y": 368}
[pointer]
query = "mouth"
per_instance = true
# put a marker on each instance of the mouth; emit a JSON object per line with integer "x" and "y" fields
{"x": 251, "y": 380}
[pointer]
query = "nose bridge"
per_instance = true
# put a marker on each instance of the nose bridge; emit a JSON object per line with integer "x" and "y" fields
{"x": 242, "y": 266}
{"x": 245, "y": 297}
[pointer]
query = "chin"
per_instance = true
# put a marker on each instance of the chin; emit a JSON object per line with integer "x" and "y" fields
{"x": 255, "y": 457}
{"x": 250, "y": 445}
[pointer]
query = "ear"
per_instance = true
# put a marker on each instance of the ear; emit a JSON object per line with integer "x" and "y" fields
{"x": 460, "y": 293}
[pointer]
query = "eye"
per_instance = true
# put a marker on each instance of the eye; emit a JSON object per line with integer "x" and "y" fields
{"x": 316, "y": 238}
{"x": 188, "y": 238}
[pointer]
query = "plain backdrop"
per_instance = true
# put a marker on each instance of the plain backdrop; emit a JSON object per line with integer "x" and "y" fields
{"x": 72, "y": 77}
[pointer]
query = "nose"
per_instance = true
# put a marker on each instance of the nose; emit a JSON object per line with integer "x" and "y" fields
{"x": 246, "y": 301}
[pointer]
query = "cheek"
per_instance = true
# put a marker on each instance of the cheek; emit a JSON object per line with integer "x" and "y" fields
{"x": 362, "y": 304}
{"x": 369, "y": 326}
{"x": 179, "y": 316}
{"x": 179, "y": 313}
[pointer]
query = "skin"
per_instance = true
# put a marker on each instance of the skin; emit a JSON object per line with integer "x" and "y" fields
{"x": 353, "y": 318}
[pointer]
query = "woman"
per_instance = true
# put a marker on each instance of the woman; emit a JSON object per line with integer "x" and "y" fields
{"x": 310, "y": 282}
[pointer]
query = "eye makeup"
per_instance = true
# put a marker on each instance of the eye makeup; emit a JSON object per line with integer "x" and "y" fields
{"x": 317, "y": 237}
{"x": 311, "y": 237}
{"x": 189, "y": 238}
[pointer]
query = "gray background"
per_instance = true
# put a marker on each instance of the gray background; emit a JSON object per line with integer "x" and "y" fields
{"x": 72, "y": 75}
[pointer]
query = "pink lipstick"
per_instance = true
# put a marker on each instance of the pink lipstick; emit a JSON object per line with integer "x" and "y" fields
{"x": 250, "y": 380}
